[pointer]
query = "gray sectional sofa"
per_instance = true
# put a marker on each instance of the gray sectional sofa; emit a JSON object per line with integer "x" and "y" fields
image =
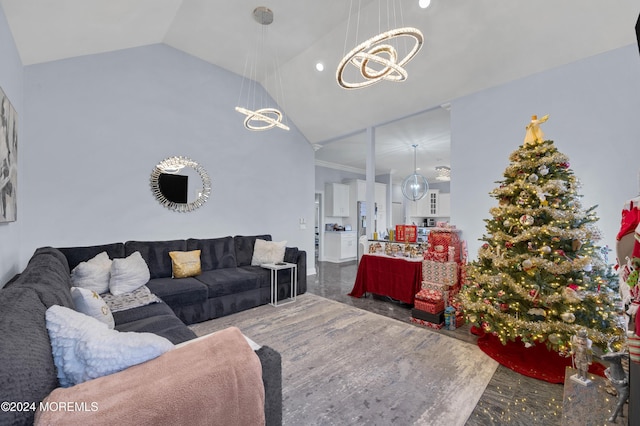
{"x": 228, "y": 284}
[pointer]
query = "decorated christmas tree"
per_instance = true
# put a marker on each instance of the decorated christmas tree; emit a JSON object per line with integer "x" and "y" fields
{"x": 539, "y": 277}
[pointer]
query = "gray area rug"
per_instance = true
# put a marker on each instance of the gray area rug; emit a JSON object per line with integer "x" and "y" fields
{"x": 342, "y": 365}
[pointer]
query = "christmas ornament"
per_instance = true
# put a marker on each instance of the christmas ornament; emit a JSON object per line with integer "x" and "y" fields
{"x": 575, "y": 245}
{"x": 504, "y": 307}
{"x": 571, "y": 295}
{"x": 545, "y": 249}
{"x": 537, "y": 312}
{"x": 533, "y": 178}
{"x": 527, "y": 264}
{"x": 543, "y": 170}
{"x": 542, "y": 197}
{"x": 568, "y": 317}
{"x": 534, "y": 135}
{"x": 525, "y": 219}
{"x": 506, "y": 223}
{"x": 554, "y": 338}
{"x": 508, "y": 244}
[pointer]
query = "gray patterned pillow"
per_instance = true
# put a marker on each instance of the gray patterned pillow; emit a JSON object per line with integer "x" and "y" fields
{"x": 140, "y": 297}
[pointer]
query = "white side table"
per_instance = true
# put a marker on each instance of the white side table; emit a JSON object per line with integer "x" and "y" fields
{"x": 275, "y": 268}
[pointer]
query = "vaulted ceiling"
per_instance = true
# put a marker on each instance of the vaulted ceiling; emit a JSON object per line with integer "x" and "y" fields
{"x": 469, "y": 45}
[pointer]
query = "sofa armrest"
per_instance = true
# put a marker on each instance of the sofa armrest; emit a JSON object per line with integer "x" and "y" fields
{"x": 272, "y": 378}
{"x": 218, "y": 377}
{"x": 299, "y": 257}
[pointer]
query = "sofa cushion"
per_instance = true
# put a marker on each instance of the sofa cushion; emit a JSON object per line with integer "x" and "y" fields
{"x": 264, "y": 275}
{"x": 179, "y": 291}
{"x": 222, "y": 282}
{"x": 244, "y": 248}
{"x": 93, "y": 274}
{"x": 85, "y": 348}
{"x": 134, "y": 314}
{"x": 156, "y": 254}
{"x": 267, "y": 252}
{"x": 141, "y": 296}
{"x": 90, "y": 303}
{"x": 47, "y": 273}
{"x": 167, "y": 326}
{"x": 291, "y": 254}
{"x": 185, "y": 264}
{"x": 216, "y": 253}
{"x": 28, "y": 373}
{"x": 75, "y": 255}
{"x": 128, "y": 274}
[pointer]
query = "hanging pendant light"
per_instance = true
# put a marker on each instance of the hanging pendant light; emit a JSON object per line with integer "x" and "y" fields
{"x": 261, "y": 117}
{"x": 377, "y": 58}
{"x": 415, "y": 186}
{"x": 444, "y": 173}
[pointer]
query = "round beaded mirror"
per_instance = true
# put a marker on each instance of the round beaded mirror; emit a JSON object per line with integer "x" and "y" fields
{"x": 172, "y": 183}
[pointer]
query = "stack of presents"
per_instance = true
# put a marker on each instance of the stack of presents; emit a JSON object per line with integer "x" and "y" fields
{"x": 443, "y": 271}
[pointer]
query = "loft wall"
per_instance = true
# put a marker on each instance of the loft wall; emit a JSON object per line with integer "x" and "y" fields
{"x": 11, "y": 82}
{"x": 594, "y": 105}
{"x": 97, "y": 125}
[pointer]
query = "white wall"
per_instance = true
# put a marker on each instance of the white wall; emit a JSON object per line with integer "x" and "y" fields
{"x": 97, "y": 125}
{"x": 11, "y": 81}
{"x": 594, "y": 106}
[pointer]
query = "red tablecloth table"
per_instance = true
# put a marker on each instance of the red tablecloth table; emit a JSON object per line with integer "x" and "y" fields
{"x": 395, "y": 277}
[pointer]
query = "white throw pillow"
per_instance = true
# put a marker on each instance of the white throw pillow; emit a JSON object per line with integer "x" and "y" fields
{"x": 93, "y": 274}
{"x": 90, "y": 303}
{"x": 128, "y": 274}
{"x": 84, "y": 348}
{"x": 268, "y": 252}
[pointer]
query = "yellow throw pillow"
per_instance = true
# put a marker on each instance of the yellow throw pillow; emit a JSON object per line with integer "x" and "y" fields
{"x": 185, "y": 263}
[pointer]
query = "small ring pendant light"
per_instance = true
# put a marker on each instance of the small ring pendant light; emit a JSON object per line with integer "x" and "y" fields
{"x": 415, "y": 186}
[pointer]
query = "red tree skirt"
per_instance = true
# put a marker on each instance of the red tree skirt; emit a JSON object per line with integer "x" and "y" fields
{"x": 537, "y": 361}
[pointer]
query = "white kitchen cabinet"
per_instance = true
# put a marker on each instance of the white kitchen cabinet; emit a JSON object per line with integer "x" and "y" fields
{"x": 336, "y": 200}
{"x": 427, "y": 206}
{"x": 431, "y": 203}
{"x": 340, "y": 246}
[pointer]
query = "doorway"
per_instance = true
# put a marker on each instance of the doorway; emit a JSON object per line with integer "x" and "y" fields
{"x": 319, "y": 226}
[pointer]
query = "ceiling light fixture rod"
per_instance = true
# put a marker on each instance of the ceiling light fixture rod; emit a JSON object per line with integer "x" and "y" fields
{"x": 264, "y": 117}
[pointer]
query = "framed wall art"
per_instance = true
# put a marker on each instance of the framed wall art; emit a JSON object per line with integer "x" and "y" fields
{"x": 8, "y": 159}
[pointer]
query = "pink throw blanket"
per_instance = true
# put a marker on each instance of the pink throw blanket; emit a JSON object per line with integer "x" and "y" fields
{"x": 215, "y": 380}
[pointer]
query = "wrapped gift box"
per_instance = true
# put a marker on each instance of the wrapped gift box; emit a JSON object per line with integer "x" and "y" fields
{"x": 441, "y": 239}
{"x": 427, "y": 316}
{"x": 406, "y": 233}
{"x": 431, "y": 307}
{"x": 437, "y": 256}
{"x": 427, "y": 323}
{"x": 432, "y": 295}
{"x": 440, "y": 272}
{"x": 459, "y": 319}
